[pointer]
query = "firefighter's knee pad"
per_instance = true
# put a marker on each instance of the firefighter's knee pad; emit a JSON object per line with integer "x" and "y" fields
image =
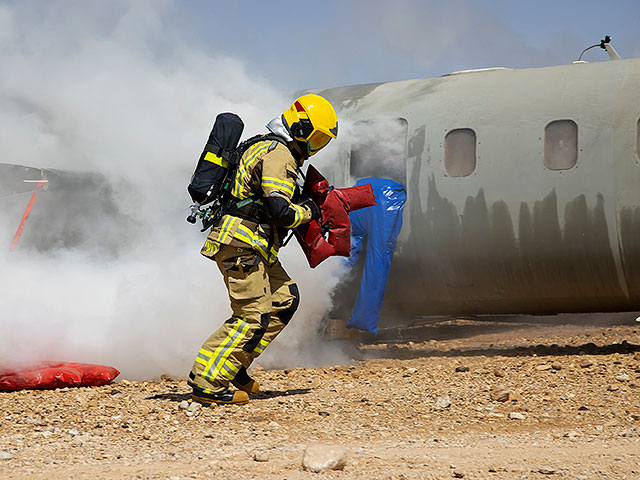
{"x": 286, "y": 314}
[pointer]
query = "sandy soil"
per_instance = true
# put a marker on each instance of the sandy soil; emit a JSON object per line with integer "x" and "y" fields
{"x": 507, "y": 399}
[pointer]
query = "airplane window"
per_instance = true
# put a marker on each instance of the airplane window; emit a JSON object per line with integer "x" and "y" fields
{"x": 379, "y": 149}
{"x": 460, "y": 152}
{"x": 560, "y": 144}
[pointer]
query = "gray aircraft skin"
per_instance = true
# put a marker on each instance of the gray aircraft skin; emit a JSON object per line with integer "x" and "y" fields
{"x": 513, "y": 227}
{"x": 498, "y": 218}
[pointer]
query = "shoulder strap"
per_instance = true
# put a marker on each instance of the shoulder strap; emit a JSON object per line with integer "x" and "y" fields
{"x": 239, "y": 151}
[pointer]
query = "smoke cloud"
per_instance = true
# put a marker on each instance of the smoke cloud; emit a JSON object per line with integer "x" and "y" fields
{"x": 113, "y": 89}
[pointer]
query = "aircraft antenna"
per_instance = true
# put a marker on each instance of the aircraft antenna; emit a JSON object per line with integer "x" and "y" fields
{"x": 604, "y": 44}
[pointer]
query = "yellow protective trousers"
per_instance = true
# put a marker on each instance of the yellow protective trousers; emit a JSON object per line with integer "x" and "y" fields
{"x": 263, "y": 300}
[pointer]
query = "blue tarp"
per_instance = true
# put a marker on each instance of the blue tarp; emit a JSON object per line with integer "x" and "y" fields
{"x": 375, "y": 230}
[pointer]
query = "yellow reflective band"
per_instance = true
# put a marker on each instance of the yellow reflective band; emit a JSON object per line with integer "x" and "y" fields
{"x": 299, "y": 216}
{"x": 246, "y": 235}
{"x": 278, "y": 184}
{"x": 210, "y": 157}
{"x": 222, "y": 352}
{"x": 243, "y": 168}
{"x": 227, "y": 225}
{"x": 201, "y": 361}
{"x": 261, "y": 346}
{"x": 204, "y": 357}
{"x": 229, "y": 370}
{"x": 231, "y": 348}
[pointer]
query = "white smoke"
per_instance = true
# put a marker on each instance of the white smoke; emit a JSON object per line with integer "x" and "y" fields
{"x": 112, "y": 88}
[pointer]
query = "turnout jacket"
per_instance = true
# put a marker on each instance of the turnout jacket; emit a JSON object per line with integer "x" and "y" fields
{"x": 267, "y": 173}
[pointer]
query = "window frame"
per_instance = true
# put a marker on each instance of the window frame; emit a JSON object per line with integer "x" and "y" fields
{"x": 547, "y": 149}
{"x": 445, "y": 149}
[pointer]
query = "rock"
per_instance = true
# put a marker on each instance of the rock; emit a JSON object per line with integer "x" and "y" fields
{"x": 613, "y": 388}
{"x": 260, "y": 456}
{"x": 498, "y": 372}
{"x": 165, "y": 377}
{"x": 547, "y": 470}
{"x": 5, "y": 456}
{"x": 500, "y": 394}
{"x": 542, "y": 368}
{"x": 585, "y": 363}
{"x": 195, "y": 407}
{"x": 514, "y": 396}
{"x": 457, "y": 474}
{"x": 572, "y": 434}
{"x": 411, "y": 370}
{"x": 184, "y": 405}
{"x": 556, "y": 366}
{"x": 324, "y": 457}
{"x": 516, "y": 416}
{"x": 462, "y": 368}
{"x": 35, "y": 421}
{"x": 73, "y": 432}
{"x": 124, "y": 382}
{"x": 623, "y": 377}
{"x": 443, "y": 402}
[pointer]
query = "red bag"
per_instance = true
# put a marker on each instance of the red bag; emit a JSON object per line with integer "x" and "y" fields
{"x": 335, "y": 204}
{"x": 58, "y": 375}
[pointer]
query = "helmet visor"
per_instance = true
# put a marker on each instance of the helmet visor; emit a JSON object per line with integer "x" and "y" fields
{"x": 317, "y": 141}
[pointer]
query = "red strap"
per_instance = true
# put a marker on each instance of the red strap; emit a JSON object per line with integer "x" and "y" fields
{"x": 16, "y": 237}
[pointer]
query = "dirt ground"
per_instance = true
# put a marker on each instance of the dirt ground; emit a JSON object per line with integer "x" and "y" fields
{"x": 503, "y": 399}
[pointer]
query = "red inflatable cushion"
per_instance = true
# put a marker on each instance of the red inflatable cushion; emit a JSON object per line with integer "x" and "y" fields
{"x": 58, "y": 375}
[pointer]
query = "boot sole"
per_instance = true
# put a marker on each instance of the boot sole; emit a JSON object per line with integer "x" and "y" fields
{"x": 208, "y": 401}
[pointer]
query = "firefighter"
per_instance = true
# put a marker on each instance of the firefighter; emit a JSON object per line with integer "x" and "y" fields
{"x": 245, "y": 246}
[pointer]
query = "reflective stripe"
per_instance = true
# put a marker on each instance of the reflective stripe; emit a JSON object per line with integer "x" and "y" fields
{"x": 278, "y": 184}
{"x": 227, "y": 225}
{"x": 210, "y": 157}
{"x": 204, "y": 356}
{"x": 299, "y": 215}
{"x": 229, "y": 370}
{"x": 220, "y": 355}
{"x": 243, "y": 168}
{"x": 245, "y": 234}
{"x": 261, "y": 346}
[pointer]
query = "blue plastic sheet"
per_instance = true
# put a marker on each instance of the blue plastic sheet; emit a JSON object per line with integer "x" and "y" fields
{"x": 374, "y": 230}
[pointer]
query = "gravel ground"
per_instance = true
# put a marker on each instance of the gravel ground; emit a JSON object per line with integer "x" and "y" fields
{"x": 487, "y": 400}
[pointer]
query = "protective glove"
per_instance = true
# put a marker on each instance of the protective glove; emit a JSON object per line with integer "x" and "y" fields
{"x": 316, "y": 213}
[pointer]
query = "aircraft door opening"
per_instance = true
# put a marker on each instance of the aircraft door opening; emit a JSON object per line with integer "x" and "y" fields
{"x": 379, "y": 149}
{"x": 377, "y": 155}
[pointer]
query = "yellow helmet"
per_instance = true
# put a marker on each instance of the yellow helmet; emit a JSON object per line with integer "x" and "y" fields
{"x": 312, "y": 120}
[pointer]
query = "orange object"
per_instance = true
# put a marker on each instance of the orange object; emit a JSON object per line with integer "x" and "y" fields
{"x": 16, "y": 237}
